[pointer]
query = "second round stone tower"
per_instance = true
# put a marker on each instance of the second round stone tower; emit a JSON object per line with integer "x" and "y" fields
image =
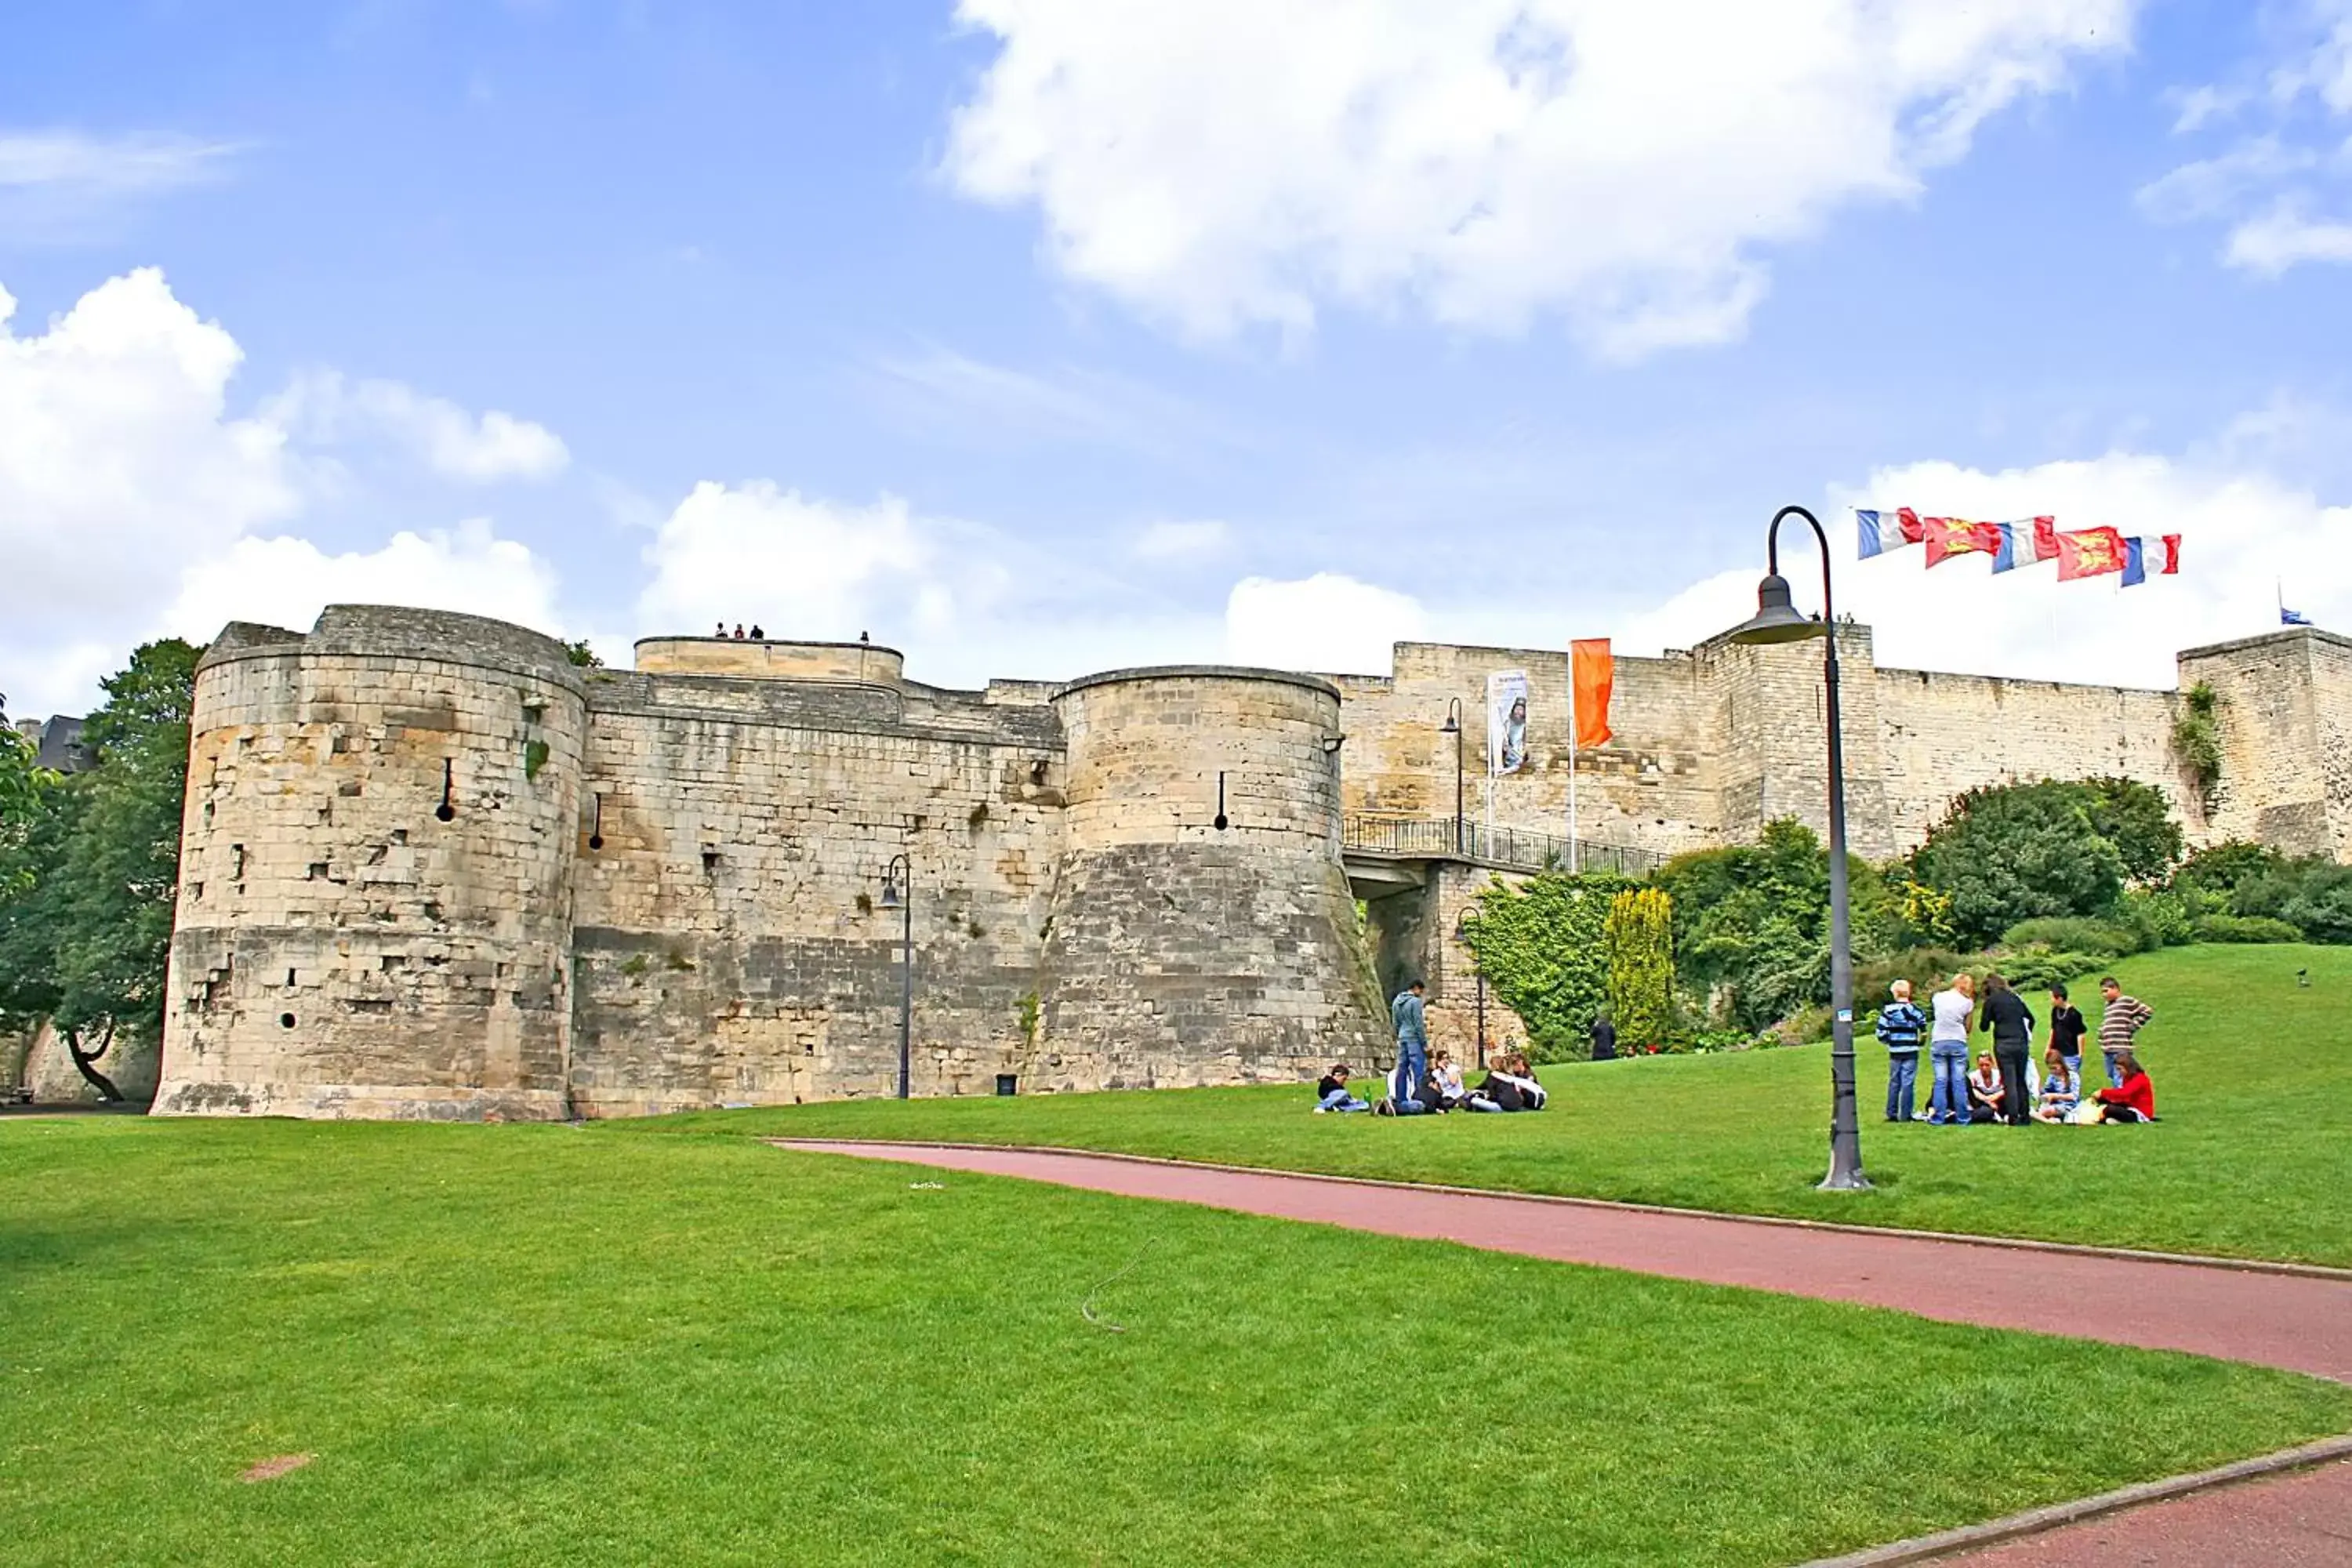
{"x": 1201, "y": 928}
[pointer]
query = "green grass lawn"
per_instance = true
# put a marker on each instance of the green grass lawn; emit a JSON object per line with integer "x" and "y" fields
{"x": 543, "y": 1344}
{"x": 2253, "y": 1079}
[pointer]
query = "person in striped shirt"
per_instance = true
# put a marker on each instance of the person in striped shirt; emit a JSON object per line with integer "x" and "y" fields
{"x": 2125, "y": 1017}
{"x": 1900, "y": 1025}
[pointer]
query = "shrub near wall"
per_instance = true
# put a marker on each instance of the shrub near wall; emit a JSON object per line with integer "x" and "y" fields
{"x": 1543, "y": 947}
{"x": 1640, "y": 934}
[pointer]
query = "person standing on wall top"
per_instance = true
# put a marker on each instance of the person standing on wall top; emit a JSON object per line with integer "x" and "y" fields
{"x": 2011, "y": 1023}
{"x": 2066, "y": 1032}
{"x": 1604, "y": 1040}
{"x": 1947, "y": 1052}
{"x": 1900, "y": 1025}
{"x": 2125, "y": 1017}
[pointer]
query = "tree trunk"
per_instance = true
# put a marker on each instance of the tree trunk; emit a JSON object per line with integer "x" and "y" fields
{"x": 82, "y": 1060}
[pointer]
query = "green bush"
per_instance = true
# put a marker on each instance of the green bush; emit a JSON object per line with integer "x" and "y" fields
{"x": 1555, "y": 1043}
{"x": 2312, "y": 894}
{"x": 2019, "y": 852}
{"x": 2161, "y": 918}
{"x": 2137, "y": 820}
{"x": 2245, "y": 927}
{"x": 1541, "y": 946}
{"x": 1640, "y": 936}
{"x": 2107, "y": 938}
{"x": 2040, "y": 969}
{"x": 1751, "y": 922}
{"x": 2219, "y": 868}
{"x": 1928, "y": 969}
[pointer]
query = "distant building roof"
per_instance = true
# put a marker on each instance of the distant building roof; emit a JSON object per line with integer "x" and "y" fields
{"x": 60, "y": 744}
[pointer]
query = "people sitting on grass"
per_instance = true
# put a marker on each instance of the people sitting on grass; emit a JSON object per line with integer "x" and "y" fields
{"x": 2062, "y": 1090}
{"x": 1900, "y": 1025}
{"x": 1985, "y": 1091}
{"x": 1332, "y": 1092}
{"x": 1445, "y": 1081}
{"x": 1510, "y": 1086}
{"x": 1947, "y": 1052}
{"x": 2134, "y": 1099}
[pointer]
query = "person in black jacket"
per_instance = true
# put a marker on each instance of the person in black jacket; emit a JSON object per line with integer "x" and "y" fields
{"x": 2004, "y": 1013}
{"x": 1604, "y": 1040}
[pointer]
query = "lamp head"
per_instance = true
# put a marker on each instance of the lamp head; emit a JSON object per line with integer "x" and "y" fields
{"x": 1451, "y": 726}
{"x": 890, "y": 899}
{"x": 1776, "y": 619}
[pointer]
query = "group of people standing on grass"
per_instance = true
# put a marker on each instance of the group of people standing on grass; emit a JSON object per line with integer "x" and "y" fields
{"x": 2004, "y": 1085}
{"x": 1425, "y": 1085}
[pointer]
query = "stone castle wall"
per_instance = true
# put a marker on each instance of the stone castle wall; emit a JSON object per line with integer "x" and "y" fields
{"x": 429, "y": 867}
{"x": 1169, "y": 928}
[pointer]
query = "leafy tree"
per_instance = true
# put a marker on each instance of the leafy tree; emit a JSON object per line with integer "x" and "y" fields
{"x": 1752, "y": 921}
{"x": 2013, "y": 852}
{"x": 86, "y": 945}
{"x": 2137, "y": 820}
{"x": 2312, "y": 893}
{"x": 580, "y": 654}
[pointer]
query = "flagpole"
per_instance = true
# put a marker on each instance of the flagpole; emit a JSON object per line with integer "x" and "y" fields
{"x": 1573, "y": 721}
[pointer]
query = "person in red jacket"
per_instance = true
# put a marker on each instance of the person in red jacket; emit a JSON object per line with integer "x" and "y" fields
{"x": 2134, "y": 1098}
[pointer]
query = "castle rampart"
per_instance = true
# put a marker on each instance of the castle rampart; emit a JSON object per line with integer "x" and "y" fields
{"x": 432, "y": 869}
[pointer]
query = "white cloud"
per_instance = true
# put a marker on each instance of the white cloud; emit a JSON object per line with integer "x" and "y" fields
{"x": 118, "y": 459}
{"x": 69, "y": 186}
{"x": 805, "y": 567}
{"x": 2268, "y": 187}
{"x": 285, "y": 582}
{"x": 1198, "y": 540}
{"x": 122, "y": 166}
{"x": 325, "y": 409}
{"x": 2243, "y": 534}
{"x": 134, "y": 502}
{"x": 2282, "y": 237}
{"x": 1219, "y": 164}
{"x": 1328, "y": 622}
{"x": 2210, "y": 187}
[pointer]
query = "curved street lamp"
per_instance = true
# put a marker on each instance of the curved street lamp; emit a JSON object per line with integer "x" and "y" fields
{"x": 1453, "y": 726}
{"x": 1777, "y": 621}
{"x": 899, "y": 894}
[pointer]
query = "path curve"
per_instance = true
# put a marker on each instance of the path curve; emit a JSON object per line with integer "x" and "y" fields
{"x": 2297, "y": 1322}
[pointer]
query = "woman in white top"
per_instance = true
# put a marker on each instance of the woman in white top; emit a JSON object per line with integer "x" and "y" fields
{"x": 1948, "y": 1051}
{"x": 1985, "y": 1091}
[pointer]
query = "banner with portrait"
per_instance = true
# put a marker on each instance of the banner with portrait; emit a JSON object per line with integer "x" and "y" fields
{"x": 1506, "y": 721}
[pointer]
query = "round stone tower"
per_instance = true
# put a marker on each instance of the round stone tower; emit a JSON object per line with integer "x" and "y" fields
{"x": 1201, "y": 928}
{"x": 375, "y": 909}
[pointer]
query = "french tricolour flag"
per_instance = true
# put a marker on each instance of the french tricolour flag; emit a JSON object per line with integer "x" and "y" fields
{"x": 1880, "y": 531}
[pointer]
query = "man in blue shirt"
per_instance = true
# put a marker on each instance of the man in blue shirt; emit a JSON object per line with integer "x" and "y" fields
{"x": 1900, "y": 1024}
{"x": 1411, "y": 1034}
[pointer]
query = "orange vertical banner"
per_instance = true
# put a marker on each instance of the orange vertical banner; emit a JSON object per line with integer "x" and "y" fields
{"x": 1593, "y": 671}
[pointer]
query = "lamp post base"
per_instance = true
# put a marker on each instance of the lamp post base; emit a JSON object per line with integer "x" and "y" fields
{"x": 1845, "y": 1182}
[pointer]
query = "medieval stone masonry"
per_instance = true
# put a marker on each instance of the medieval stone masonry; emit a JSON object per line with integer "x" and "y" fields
{"x": 431, "y": 869}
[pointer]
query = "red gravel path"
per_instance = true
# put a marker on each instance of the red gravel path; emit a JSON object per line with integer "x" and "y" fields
{"x": 2302, "y": 1519}
{"x": 2277, "y": 1320}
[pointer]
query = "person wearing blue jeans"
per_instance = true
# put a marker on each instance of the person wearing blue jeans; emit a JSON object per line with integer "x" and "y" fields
{"x": 1411, "y": 1032}
{"x": 1900, "y": 1025}
{"x": 1947, "y": 1052}
{"x": 1333, "y": 1093}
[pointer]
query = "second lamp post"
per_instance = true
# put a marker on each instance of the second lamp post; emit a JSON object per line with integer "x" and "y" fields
{"x": 1777, "y": 621}
{"x": 899, "y": 894}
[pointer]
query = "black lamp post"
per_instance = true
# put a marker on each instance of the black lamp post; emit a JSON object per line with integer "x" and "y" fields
{"x": 1777, "y": 621}
{"x": 899, "y": 894}
{"x": 1453, "y": 727}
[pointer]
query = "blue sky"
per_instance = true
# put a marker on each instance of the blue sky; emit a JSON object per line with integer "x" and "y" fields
{"x": 846, "y": 317}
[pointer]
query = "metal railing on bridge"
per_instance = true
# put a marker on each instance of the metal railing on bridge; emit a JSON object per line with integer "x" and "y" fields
{"x": 1422, "y": 838}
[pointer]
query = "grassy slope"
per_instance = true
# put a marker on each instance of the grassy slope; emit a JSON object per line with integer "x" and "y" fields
{"x": 536, "y": 1345}
{"x": 2254, "y": 1078}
